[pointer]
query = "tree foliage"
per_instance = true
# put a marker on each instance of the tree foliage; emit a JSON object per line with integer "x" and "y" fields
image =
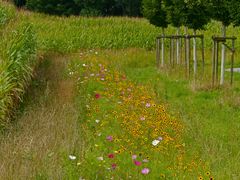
{"x": 234, "y": 12}
{"x": 156, "y": 12}
{"x": 197, "y": 14}
{"x": 176, "y": 11}
{"x": 84, "y": 7}
{"x": 220, "y": 10}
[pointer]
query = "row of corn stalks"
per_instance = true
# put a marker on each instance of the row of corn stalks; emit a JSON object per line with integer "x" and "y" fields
{"x": 17, "y": 59}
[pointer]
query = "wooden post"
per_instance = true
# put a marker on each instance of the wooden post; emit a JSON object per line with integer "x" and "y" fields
{"x": 232, "y": 59}
{"x": 217, "y": 58}
{"x": 170, "y": 51}
{"x": 180, "y": 52}
{"x": 223, "y": 57}
{"x": 203, "y": 54}
{"x": 158, "y": 52}
{"x": 173, "y": 52}
{"x": 213, "y": 62}
{"x": 185, "y": 48}
{"x": 194, "y": 54}
{"x": 178, "y": 45}
{"x": 163, "y": 50}
{"x": 189, "y": 55}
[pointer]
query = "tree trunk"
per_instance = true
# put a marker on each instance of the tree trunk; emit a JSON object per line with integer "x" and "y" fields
{"x": 163, "y": 50}
{"x": 178, "y": 46}
{"x": 223, "y": 56}
{"x": 185, "y": 30}
{"x": 195, "y": 53}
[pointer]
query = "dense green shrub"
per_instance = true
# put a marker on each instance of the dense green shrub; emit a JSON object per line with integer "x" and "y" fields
{"x": 86, "y": 7}
{"x": 19, "y": 3}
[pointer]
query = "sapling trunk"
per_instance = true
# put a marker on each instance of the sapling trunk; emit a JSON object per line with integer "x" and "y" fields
{"x": 223, "y": 56}
{"x": 195, "y": 53}
{"x": 178, "y": 46}
{"x": 163, "y": 49}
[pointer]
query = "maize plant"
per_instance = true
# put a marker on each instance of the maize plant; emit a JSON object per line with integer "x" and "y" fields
{"x": 18, "y": 54}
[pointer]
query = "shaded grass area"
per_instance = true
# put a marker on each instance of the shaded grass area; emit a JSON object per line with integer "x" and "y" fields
{"x": 47, "y": 129}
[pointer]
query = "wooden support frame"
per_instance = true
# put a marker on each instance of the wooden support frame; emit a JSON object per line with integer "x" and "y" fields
{"x": 187, "y": 51}
{"x": 216, "y": 41}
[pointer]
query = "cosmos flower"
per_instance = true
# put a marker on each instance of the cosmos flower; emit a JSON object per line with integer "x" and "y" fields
{"x": 109, "y": 138}
{"x": 148, "y": 105}
{"x": 155, "y": 142}
{"x": 137, "y": 163}
{"x": 97, "y": 121}
{"x": 145, "y": 171}
{"x": 134, "y": 156}
{"x": 72, "y": 157}
{"x": 97, "y": 96}
{"x": 111, "y": 156}
{"x": 114, "y": 166}
{"x": 100, "y": 158}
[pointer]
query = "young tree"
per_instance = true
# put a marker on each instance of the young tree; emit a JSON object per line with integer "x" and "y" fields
{"x": 221, "y": 12}
{"x": 155, "y": 12}
{"x": 176, "y": 12}
{"x": 197, "y": 16}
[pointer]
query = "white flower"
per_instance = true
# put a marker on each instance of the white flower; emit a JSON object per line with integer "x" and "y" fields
{"x": 97, "y": 121}
{"x": 72, "y": 157}
{"x": 100, "y": 158}
{"x": 84, "y": 65}
{"x": 155, "y": 142}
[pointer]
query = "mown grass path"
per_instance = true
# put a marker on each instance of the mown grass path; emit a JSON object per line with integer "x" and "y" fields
{"x": 47, "y": 130}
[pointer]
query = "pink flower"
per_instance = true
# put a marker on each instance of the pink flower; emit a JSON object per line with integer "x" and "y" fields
{"x": 137, "y": 163}
{"x": 109, "y": 138}
{"x": 111, "y": 156}
{"x": 145, "y": 171}
{"x": 145, "y": 160}
{"x": 148, "y": 105}
{"x": 142, "y": 118}
{"x": 97, "y": 96}
{"x": 114, "y": 166}
{"x": 134, "y": 156}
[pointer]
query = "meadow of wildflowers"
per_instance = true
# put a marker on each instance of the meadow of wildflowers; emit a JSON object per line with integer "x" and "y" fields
{"x": 130, "y": 135}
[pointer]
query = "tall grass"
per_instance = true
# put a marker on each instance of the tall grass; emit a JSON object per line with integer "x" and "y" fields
{"x": 6, "y": 13}
{"x": 18, "y": 50}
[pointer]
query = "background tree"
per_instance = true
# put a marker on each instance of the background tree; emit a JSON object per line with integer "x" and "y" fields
{"x": 221, "y": 12}
{"x": 196, "y": 17}
{"x": 20, "y": 3}
{"x": 155, "y": 11}
{"x": 176, "y": 12}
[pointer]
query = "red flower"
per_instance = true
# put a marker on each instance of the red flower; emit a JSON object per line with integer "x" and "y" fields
{"x": 111, "y": 156}
{"x": 97, "y": 96}
{"x": 137, "y": 163}
{"x": 114, "y": 166}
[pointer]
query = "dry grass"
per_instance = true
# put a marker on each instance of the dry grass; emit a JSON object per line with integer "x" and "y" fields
{"x": 47, "y": 131}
